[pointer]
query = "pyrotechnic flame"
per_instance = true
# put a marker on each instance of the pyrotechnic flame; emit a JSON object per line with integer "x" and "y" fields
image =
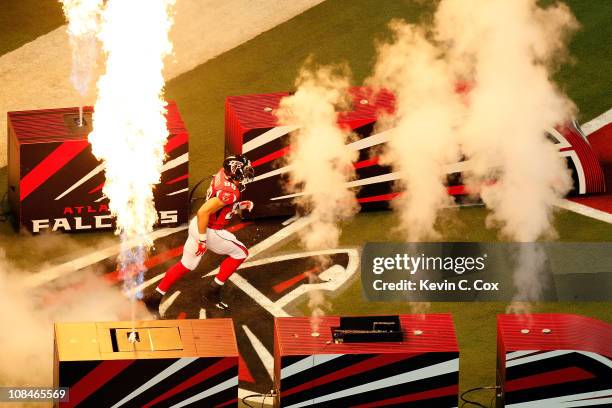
{"x": 129, "y": 124}
{"x": 83, "y": 24}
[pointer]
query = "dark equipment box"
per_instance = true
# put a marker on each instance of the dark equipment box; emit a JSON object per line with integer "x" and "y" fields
{"x": 251, "y": 128}
{"x": 406, "y": 360}
{"x": 553, "y": 360}
{"x": 55, "y": 182}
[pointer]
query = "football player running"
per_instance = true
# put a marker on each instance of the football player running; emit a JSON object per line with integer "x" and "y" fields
{"x": 206, "y": 232}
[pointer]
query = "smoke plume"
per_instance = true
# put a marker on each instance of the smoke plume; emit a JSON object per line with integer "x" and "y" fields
{"x": 83, "y": 24}
{"x": 320, "y": 162}
{"x": 528, "y": 277}
{"x": 507, "y": 51}
{"x": 423, "y": 138}
{"x": 28, "y": 315}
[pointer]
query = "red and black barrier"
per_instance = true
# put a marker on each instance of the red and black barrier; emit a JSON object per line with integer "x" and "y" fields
{"x": 55, "y": 182}
{"x": 251, "y": 128}
{"x": 421, "y": 370}
{"x": 553, "y": 360}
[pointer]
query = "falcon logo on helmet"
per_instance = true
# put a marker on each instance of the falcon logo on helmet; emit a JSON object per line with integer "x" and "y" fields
{"x": 239, "y": 169}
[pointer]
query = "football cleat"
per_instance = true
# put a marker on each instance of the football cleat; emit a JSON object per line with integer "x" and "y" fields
{"x": 213, "y": 295}
{"x": 152, "y": 302}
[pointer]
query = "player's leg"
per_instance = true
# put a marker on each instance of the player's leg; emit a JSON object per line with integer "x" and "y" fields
{"x": 224, "y": 243}
{"x": 189, "y": 261}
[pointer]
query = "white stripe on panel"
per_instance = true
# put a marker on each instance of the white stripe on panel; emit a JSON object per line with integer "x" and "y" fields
{"x": 306, "y": 363}
{"x": 232, "y": 382}
{"x": 173, "y": 368}
{"x": 419, "y": 374}
{"x": 183, "y": 158}
{"x": 267, "y": 137}
{"x": 82, "y": 180}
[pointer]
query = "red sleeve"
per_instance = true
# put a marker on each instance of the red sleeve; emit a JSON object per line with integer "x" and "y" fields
{"x": 227, "y": 197}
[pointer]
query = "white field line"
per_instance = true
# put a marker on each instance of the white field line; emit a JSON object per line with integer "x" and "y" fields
{"x": 333, "y": 278}
{"x": 585, "y": 210}
{"x": 37, "y": 75}
{"x": 165, "y": 305}
{"x": 74, "y": 265}
{"x": 257, "y": 296}
{"x": 264, "y": 355}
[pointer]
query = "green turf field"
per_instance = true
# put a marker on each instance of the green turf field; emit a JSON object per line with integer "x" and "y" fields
{"x": 475, "y": 322}
{"x": 21, "y": 21}
{"x": 344, "y": 31}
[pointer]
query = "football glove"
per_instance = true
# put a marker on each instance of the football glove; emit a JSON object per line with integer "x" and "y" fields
{"x": 201, "y": 248}
{"x": 246, "y": 205}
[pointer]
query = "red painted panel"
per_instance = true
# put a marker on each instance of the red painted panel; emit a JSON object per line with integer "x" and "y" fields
{"x": 437, "y": 335}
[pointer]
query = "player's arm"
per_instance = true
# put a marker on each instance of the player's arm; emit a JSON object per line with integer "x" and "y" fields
{"x": 211, "y": 206}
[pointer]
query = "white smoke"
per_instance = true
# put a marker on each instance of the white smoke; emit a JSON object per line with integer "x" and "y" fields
{"x": 28, "y": 315}
{"x": 317, "y": 305}
{"x": 423, "y": 130}
{"x": 83, "y": 24}
{"x": 529, "y": 277}
{"x": 508, "y": 50}
{"x": 321, "y": 164}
